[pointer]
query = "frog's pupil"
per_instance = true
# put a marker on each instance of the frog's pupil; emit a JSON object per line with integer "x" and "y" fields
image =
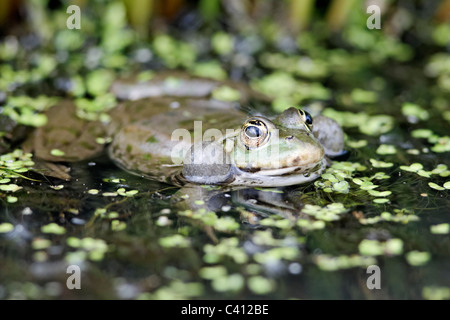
{"x": 253, "y": 132}
{"x": 308, "y": 118}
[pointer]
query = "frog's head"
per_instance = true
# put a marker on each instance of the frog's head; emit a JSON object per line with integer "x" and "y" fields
{"x": 262, "y": 152}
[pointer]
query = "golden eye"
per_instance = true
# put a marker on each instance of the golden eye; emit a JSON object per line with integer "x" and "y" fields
{"x": 254, "y": 133}
{"x": 307, "y": 119}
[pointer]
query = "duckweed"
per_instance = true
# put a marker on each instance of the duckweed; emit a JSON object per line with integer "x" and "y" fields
{"x": 233, "y": 282}
{"x": 401, "y": 217}
{"x": 418, "y": 169}
{"x": 442, "y": 228}
{"x": 379, "y": 193}
{"x": 308, "y": 225}
{"x": 435, "y": 186}
{"x": 226, "y": 224}
{"x": 359, "y": 95}
{"x": 380, "y": 164}
{"x": 261, "y": 285}
{"x": 417, "y": 258}
{"x": 440, "y": 144}
{"x": 27, "y": 110}
{"x": 101, "y": 140}
{"x": 303, "y": 66}
{"x": 87, "y": 248}
{"x": 175, "y": 290}
{"x": 372, "y": 125}
{"x": 213, "y": 272}
{"x": 57, "y": 187}
{"x": 328, "y": 262}
{"x": 226, "y": 93}
{"x": 93, "y": 191}
{"x": 331, "y": 212}
{"x": 436, "y": 293}
{"x": 10, "y": 187}
{"x": 276, "y": 254}
{"x": 174, "y": 53}
{"x": 380, "y": 200}
{"x": 117, "y": 225}
{"x": 222, "y": 43}
{"x": 287, "y": 91}
{"x": 226, "y": 248}
{"x": 6, "y": 227}
{"x": 11, "y": 199}
{"x": 124, "y": 193}
{"x": 265, "y": 238}
{"x": 40, "y": 243}
{"x": 13, "y": 165}
{"x": 385, "y": 149}
{"x": 57, "y": 153}
{"x": 374, "y": 247}
{"x": 414, "y": 112}
{"x": 276, "y": 222}
{"x": 174, "y": 241}
{"x": 99, "y": 81}
{"x": 421, "y": 133}
{"x": 215, "y": 71}
{"x": 53, "y": 228}
{"x": 356, "y": 144}
{"x": 109, "y": 194}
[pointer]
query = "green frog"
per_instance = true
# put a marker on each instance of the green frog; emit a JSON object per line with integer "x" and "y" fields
{"x": 183, "y": 136}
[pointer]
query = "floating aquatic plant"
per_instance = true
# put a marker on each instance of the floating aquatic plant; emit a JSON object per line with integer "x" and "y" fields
{"x": 328, "y": 262}
{"x": 53, "y": 228}
{"x": 375, "y": 248}
{"x": 418, "y": 258}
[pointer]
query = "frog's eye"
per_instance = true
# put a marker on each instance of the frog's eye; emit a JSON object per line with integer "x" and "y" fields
{"x": 307, "y": 119}
{"x": 254, "y": 133}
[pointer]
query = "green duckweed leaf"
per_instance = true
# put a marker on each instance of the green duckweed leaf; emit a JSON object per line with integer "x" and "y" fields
{"x": 6, "y": 227}
{"x": 53, "y": 228}
{"x": 442, "y": 228}
{"x": 435, "y": 186}
{"x": 385, "y": 149}
{"x": 417, "y": 258}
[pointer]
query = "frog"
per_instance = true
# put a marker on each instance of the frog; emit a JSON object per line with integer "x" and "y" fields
{"x": 188, "y": 139}
{"x": 184, "y": 136}
{"x": 187, "y": 144}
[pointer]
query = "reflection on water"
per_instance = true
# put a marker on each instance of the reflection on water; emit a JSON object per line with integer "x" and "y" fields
{"x": 160, "y": 242}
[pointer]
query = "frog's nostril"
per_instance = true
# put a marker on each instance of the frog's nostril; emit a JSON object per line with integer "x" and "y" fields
{"x": 289, "y": 137}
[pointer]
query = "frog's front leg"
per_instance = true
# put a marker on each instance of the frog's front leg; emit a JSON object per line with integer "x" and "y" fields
{"x": 330, "y": 135}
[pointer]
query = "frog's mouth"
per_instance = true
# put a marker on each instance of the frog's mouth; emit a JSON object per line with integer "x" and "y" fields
{"x": 263, "y": 178}
{"x": 277, "y": 177}
{"x": 283, "y": 170}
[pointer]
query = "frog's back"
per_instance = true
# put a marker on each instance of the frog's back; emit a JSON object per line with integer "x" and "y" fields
{"x": 150, "y": 136}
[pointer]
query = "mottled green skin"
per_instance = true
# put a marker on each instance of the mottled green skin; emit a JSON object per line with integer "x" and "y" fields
{"x": 145, "y": 140}
{"x": 146, "y": 146}
{"x": 142, "y": 141}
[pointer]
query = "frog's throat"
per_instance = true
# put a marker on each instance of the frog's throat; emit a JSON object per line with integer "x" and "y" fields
{"x": 239, "y": 178}
{"x": 243, "y": 178}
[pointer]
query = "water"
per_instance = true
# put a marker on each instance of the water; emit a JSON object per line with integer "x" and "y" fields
{"x": 313, "y": 241}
